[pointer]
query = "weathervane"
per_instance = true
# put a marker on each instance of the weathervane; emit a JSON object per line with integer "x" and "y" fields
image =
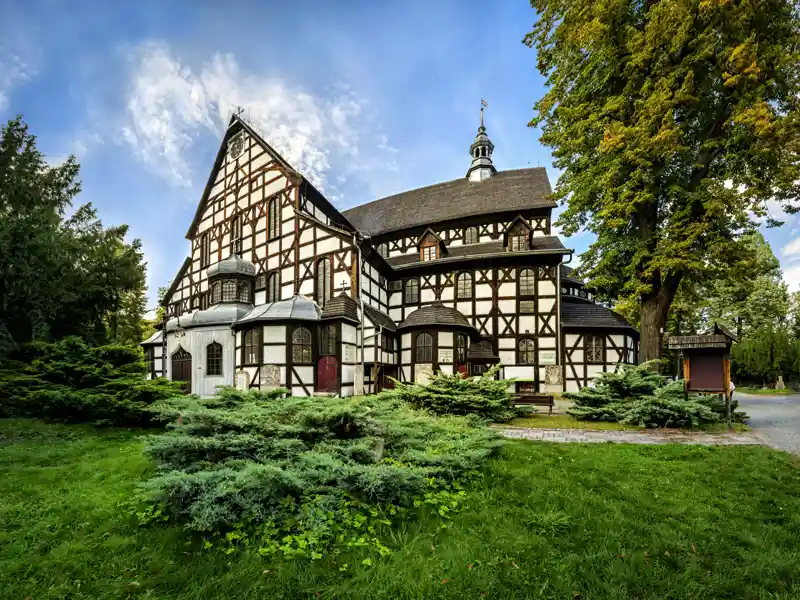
{"x": 239, "y": 111}
{"x": 483, "y": 104}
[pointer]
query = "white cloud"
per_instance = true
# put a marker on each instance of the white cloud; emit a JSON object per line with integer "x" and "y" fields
{"x": 170, "y": 105}
{"x": 791, "y": 248}
{"x": 14, "y": 71}
{"x": 791, "y": 275}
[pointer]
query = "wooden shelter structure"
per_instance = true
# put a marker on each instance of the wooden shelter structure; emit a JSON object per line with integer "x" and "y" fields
{"x": 706, "y": 362}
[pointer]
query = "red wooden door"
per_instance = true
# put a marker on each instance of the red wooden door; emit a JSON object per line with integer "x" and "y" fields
{"x": 182, "y": 368}
{"x": 328, "y": 374}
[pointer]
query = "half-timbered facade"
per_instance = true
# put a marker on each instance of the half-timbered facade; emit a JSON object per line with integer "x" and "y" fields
{"x": 282, "y": 289}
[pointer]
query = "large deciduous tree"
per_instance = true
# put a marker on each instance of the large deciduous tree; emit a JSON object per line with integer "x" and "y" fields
{"x": 674, "y": 122}
{"x": 59, "y": 275}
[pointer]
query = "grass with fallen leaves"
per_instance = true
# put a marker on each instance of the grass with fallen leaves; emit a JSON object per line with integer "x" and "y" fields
{"x": 591, "y": 521}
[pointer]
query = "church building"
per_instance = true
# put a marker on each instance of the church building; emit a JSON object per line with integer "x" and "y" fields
{"x": 281, "y": 288}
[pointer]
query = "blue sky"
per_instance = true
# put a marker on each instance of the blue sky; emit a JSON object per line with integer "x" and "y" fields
{"x": 365, "y": 98}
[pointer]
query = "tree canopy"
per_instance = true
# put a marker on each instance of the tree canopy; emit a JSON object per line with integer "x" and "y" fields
{"x": 60, "y": 275}
{"x": 673, "y": 124}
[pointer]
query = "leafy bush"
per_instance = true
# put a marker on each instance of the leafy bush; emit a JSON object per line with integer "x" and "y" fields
{"x": 637, "y": 396}
{"x": 301, "y": 475}
{"x": 73, "y": 382}
{"x": 485, "y": 397}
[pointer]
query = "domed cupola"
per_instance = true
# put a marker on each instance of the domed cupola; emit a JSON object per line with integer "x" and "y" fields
{"x": 481, "y": 150}
{"x": 438, "y": 316}
{"x": 231, "y": 280}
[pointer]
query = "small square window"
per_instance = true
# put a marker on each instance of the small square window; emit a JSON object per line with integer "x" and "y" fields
{"x": 428, "y": 253}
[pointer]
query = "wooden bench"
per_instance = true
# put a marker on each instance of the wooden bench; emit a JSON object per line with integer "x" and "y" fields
{"x": 536, "y": 399}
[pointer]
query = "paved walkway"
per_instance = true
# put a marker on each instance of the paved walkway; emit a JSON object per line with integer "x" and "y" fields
{"x": 632, "y": 437}
{"x": 774, "y": 419}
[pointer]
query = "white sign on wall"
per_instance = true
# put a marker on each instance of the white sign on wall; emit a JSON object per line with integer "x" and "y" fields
{"x": 242, "y": 381}
{"x": 270, "y": 376}
{"x": 349, "y": 353}
{"x": 423, "y": 373}
{"x": 445, "y": 355}
{"x": 547, "y": 357}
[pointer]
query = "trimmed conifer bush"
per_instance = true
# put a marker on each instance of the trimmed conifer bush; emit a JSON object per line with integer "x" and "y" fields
{"x": 635, "y": 395}
{"x": 484, "y": 397}
{"x": 296, "y": 474}
{"x": 73, "y": 382}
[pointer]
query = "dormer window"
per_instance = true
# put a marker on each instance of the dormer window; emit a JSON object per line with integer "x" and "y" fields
{"x": 430, "y": 246}
{"x": 516, "y": 243}
{"x": 429, "y": 253}
{"x": 518, "y": 235}
{"x": 471, "y": 235}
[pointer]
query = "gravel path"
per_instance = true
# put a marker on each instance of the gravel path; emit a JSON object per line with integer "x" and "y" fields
{"x": 774, "y": 419}
{"x": 632, "y": 437}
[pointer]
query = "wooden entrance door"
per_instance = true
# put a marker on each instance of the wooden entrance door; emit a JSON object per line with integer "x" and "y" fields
{"x": 328, "y": 374}
{"x": 182, "y": 368}
{"x": 386, "y": 383}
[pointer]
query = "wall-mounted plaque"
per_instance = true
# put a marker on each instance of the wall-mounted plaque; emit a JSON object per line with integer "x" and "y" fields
{"x": 547, "y": 357}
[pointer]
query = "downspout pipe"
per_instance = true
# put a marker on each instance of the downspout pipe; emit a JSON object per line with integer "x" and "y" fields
{"x": 361, "y": 304}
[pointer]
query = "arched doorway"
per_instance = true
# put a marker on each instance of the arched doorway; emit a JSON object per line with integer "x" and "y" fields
{"x": 182, "y": 368}
{"x": 328, "y": 374}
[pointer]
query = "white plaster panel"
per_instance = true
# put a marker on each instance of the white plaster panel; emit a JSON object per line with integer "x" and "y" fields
{"x": 572, "y": 386}
{"x": 447, "y": 369}
{"x": 507, "y": 306}
{"x": 348, "y": 374}
{"x": 427, "y": 296}
{"x": 275, "y": 355}
{"x": 546, "y": 288}
{"x": 507, "y": 357}
{"x": 340, "y": 278}
{"x": 571, "y": 339}
{"x": 306, "y": 287}
{"x": 507, "y": 343}
{"x": 577, "y": 357}
{"x": 547, "y": 342}
{"x": 396, "y": 314}
{"x": 483, "y": 307}
{"x": 406, "y": 357}
{"x": 521, "y": 372}
{"x": 327, "y": 245}
{"x": 306, "y": 252}
{"x": 546, "y": 304}
{"x": 619, "y": 340}
{"x": 446, "y": 338}
{"x": 593, "y": 371}
{"x": 483, "y": 290}
{"x": 349, "y": 334}
{"x": 286, "y": 291}
{"x": 260, "y": 297}
{"x": 464, "y": 307}
{"x": 527, "y": 323}
{"x": 447, "y": 293}
{"x": 507, "y": 289}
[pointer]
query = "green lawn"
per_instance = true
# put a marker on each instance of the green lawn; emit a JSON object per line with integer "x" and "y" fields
{"x": 550, "y": 521}
{"x": 564, "y": 422}
{"x": 764, "y": 391}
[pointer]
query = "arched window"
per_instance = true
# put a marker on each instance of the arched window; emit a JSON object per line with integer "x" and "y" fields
{"x": 471, "y": 235}
{"x": 205, "y": 250}
{"x": 273, "y": 223}
{"x": 461, "y": 349}
{"x": 261, "y": 282}
{"x": 424, "y": 348}
{"x": 273, "y": 291}
{"x": 527, "y": 352}
{"x": 412, "y": 291}
{"x": 527, "y": 283}
{"x": 464, "y": 286}
{"x": 214, "y": 359}
{"x": 236, "y": 235}
{"x": 324, "y": 282}
{"x": 229, "y": 290}
{"x": 301, "y": 346}
{"x": 244, "y": 292}
{"x": 252, "y": 347}
{"x": 328, "y": 340}
{"x": 216, "y": 295}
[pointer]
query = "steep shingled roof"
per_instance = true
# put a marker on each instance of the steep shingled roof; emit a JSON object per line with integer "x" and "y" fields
{"x": 581, "y": 313}
{"x": 515, "y": 190}
{"x": 379, "y": 318}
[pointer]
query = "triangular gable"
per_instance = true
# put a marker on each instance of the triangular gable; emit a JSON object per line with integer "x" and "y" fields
{"x": 429, "y": 235}
{"x": 518, "y": 225}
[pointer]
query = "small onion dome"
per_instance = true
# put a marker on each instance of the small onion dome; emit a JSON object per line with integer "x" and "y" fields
{"x": 296, "y": 308}
{"x": 233, "y": 265}
{"x": 341, "y": 307}
{"x": 219, "y": 314}
{"x": 437, "y": 316}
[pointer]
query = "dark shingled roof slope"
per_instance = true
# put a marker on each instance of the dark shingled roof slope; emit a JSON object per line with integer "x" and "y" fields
{"x": 340, "y": 307}
{"x": 379, "y": 318}
{"x": 539, "y": 243}
{"x": 436, "y": 314}
{"x": 581, "y": 313}
{"x": 520, "y": 189}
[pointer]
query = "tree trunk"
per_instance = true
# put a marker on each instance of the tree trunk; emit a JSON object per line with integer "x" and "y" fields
{"x": 653, "y": 319}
